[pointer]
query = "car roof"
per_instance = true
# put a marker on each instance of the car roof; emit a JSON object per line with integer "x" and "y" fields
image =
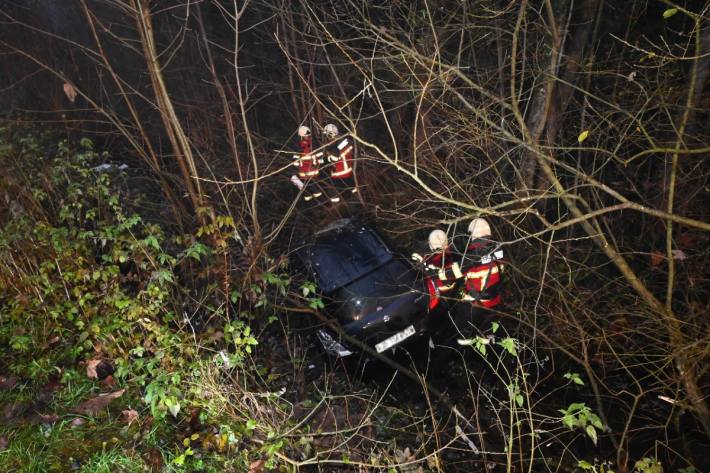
{"x": 343, "y": 252}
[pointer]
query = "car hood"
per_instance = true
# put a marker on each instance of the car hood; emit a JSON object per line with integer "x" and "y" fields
{"x": 403, "y": 311}
{"x": 374, "y": 291}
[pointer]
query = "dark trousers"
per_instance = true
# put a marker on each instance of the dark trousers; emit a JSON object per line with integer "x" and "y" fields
{"x": 344, "y": 186}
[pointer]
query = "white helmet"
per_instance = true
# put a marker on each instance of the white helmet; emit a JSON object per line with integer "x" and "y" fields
{"x": 304, "y": 131}
{"x": 437, "y": 240}
{"x": 330, "y": 130}
{"x": 479, "y": 228}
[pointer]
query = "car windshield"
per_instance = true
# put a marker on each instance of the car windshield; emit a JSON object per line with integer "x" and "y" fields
{"x": 338, "y": 258}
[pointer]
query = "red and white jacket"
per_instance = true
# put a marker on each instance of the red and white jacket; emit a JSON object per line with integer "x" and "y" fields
{"x": 341, "y": 155}
{"x": 444, "y": 274}
{"x": 307, "y": 161}
{"x": 483, "y": 274}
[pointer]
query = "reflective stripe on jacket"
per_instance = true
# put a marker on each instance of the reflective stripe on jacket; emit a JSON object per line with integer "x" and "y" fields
{"x": 446, "y": 270}
{"x": 342, "y": 157}
{"x": 308, "y": 164}
{"x": 483, "y": 277}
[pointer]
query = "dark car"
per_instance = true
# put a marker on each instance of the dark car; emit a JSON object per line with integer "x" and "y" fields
{"x": 377, "y": 296}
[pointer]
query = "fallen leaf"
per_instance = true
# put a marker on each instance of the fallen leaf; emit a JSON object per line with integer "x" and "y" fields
{"x": 583, "y": 136}
{"x": 256, "y": 466}
{"x": 98, "y": 368}
{"x": 91, "y": 366}
{"x": 657, "y": 258}
{"x": 46, "y": 393}
{"x": 403, "y": 456}
{"x": 222, "y": 442}
{"x": 154, "y": 460}
{"x": 95, "y": 405}
{"x": 108, "y": 383}
{"x": 69, "y": 91}
{"x": 7, "y": 383}
{"x": 78, "y": 422}
{"x": 43, "y": 419}
{"x": 14, "y": 411}
{"x": 129, "y": 416}
{"x": 216, "y": 336}
{"x": 679, "y": 255}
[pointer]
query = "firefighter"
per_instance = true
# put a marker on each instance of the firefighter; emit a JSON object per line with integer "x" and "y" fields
{"x": 340, "y": 157}
{"x": 482, "y": 266}
{"x": 443, "y": 273}
{"x": 307, "y": 163}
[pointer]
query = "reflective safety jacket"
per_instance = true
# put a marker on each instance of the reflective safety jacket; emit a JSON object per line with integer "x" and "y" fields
{"x": 444, "y": 274}
{"x": 307, "y": 161}
{"x": 340, "y": 154}
{"x": 306, "y": 145}
{"x": 483, "y": 268}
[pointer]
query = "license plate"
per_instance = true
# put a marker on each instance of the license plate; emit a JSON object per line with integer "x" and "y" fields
{"x": 395, "y": 339}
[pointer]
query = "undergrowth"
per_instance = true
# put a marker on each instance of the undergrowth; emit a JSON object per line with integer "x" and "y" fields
{"x": 129, "y": 346}
{"x": 85, "y": 278}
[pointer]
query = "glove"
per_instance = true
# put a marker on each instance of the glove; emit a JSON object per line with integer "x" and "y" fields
{"x": 297, "y": 182}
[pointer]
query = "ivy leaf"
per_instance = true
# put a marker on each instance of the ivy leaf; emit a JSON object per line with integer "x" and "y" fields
{"x": 569, "y": 421}
{"x": 574, "y": 377}
{"x": 670, "y": 12}
{"x": 316, "y": 304}
{"x": 576, "y": 406}
{"x": 494, "y": 327}
{"x": 583, "y": 136}
{"x": 308, "y": 288}
{"x": 509, "y": 345}
{"x": 592, "y": 432}
{"x": 596, "y": 421}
